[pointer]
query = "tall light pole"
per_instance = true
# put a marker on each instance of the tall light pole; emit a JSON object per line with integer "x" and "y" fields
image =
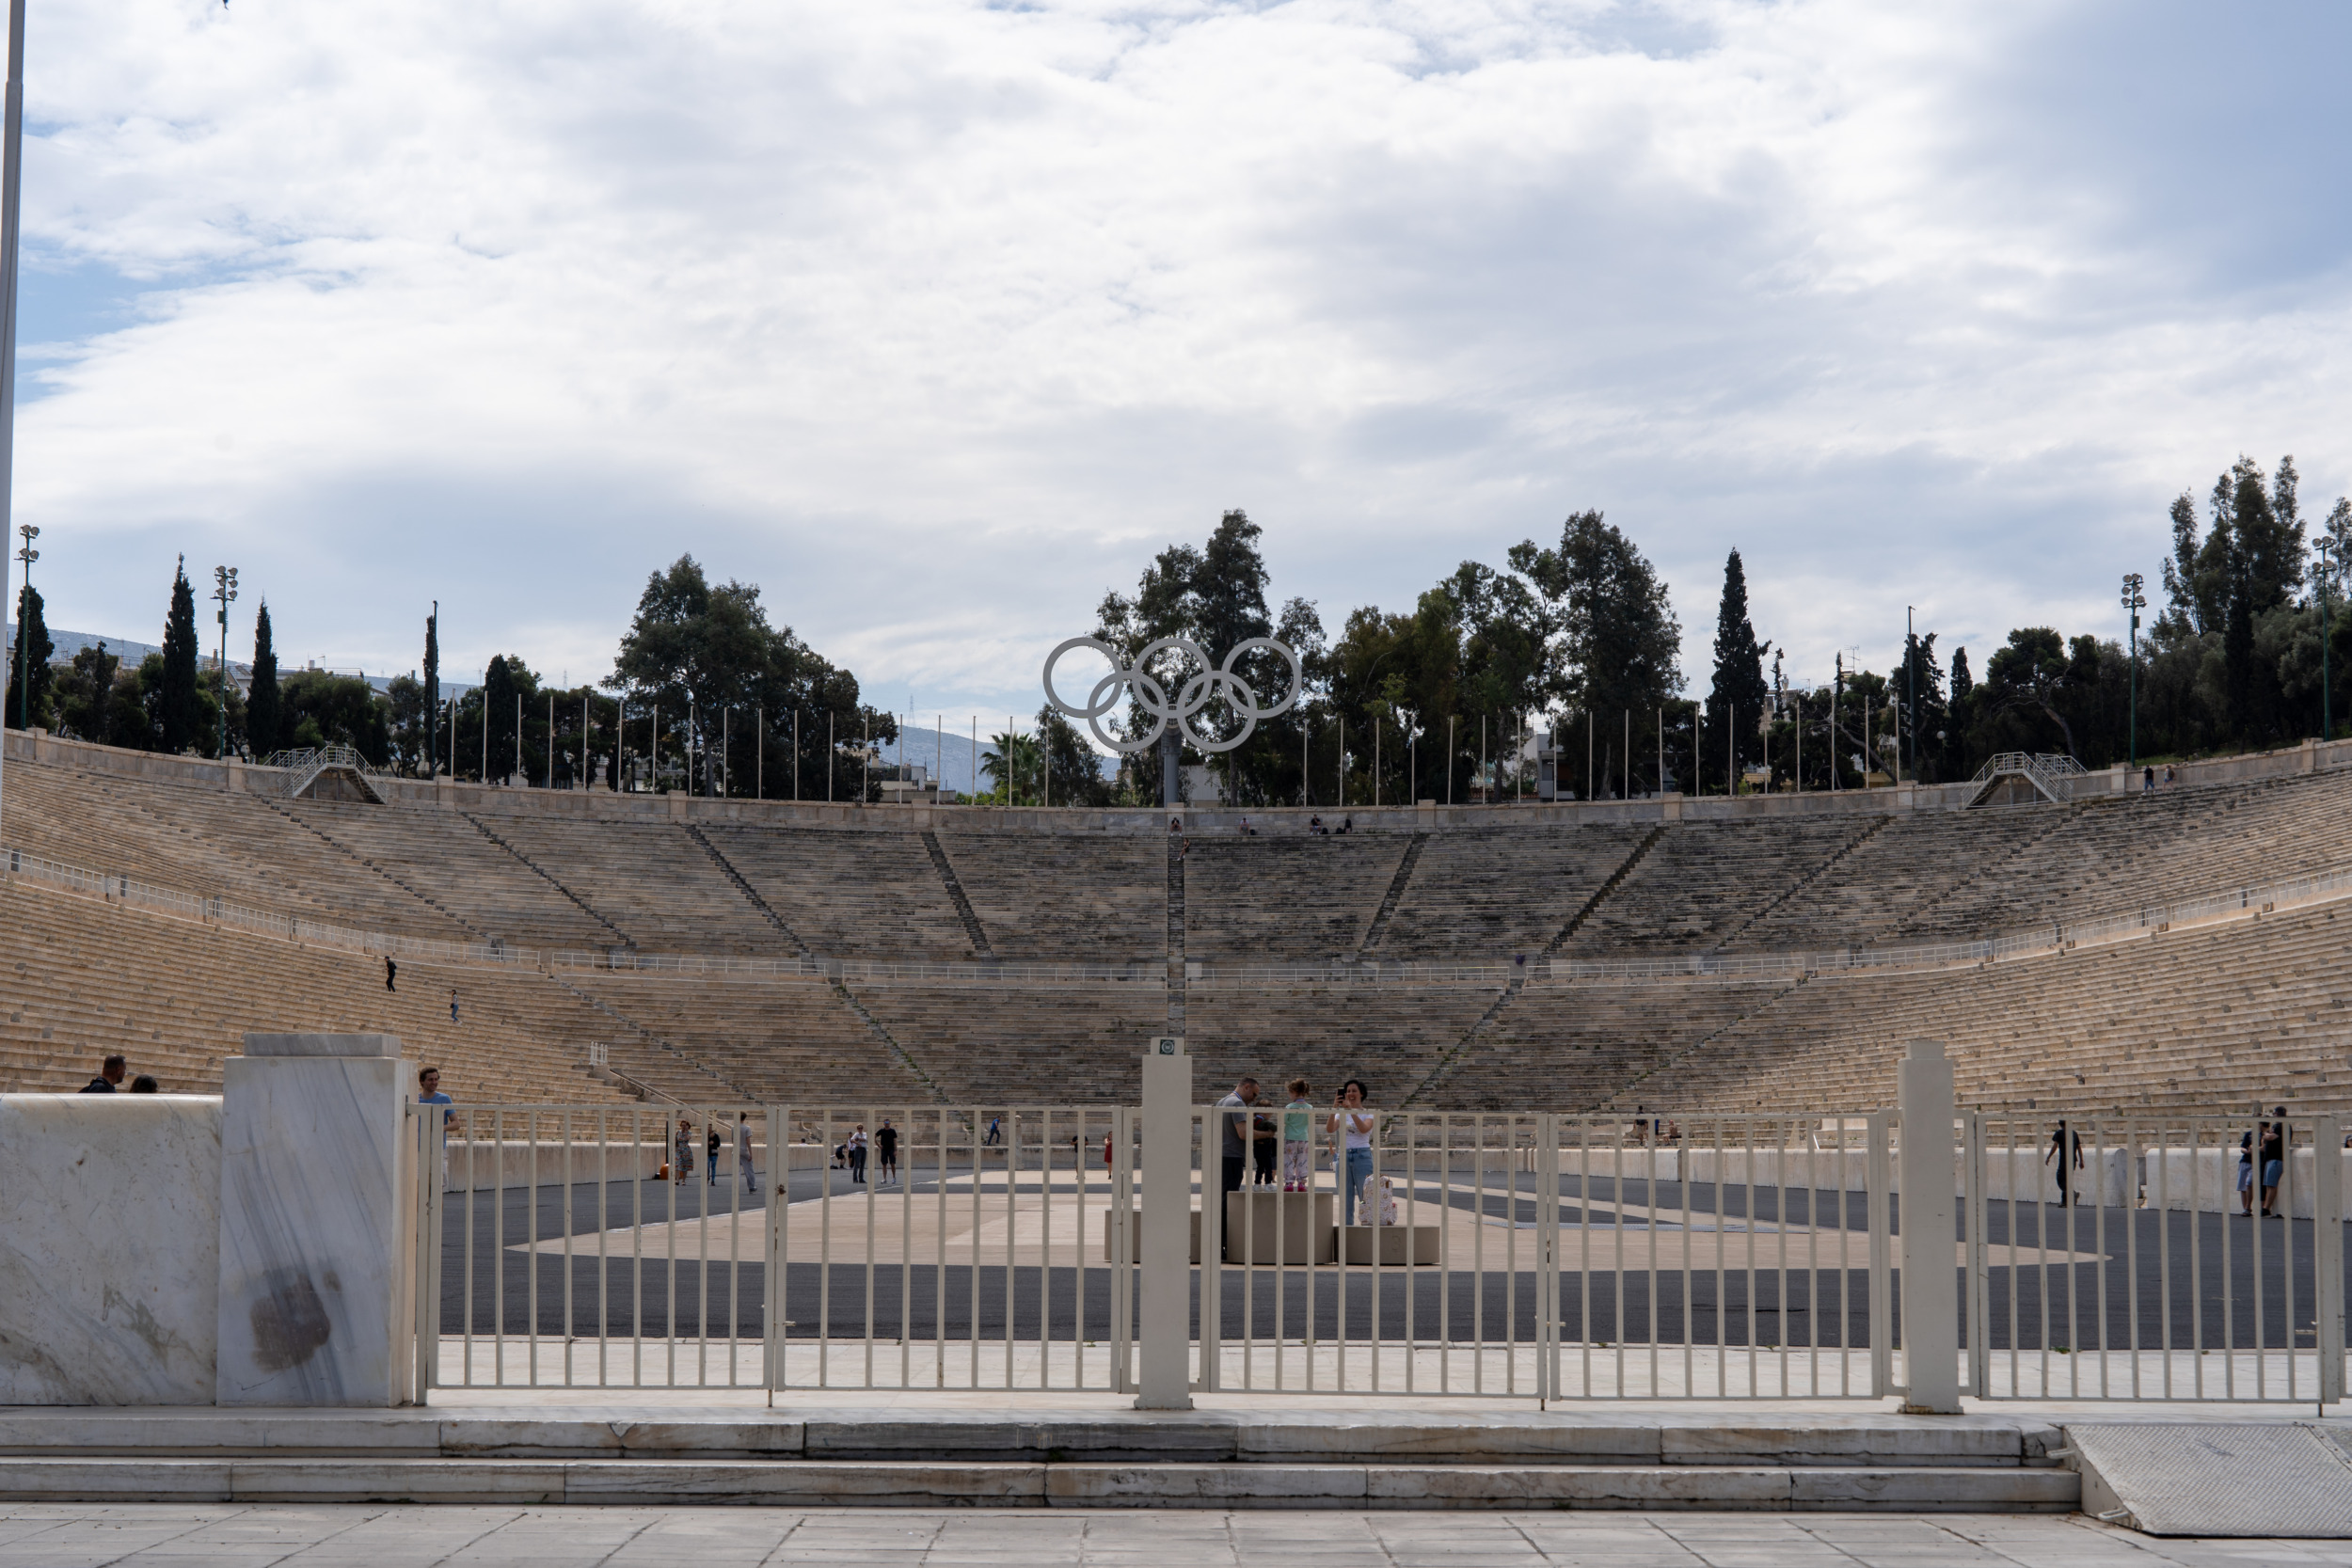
{"x": 11, "y": 200}
{"x": 23, "y": 629}
{"x": 2134, "y": 602}
{"x": 225, "y": 594}
{"x": 1410, "y": 720}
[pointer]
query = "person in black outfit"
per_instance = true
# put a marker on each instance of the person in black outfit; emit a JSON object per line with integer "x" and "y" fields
{"x": 391, "y": 972}
{"x": 886, "y": 1145}
{"x": 109, "y": 1077}
{"x": 2067, "y": 1150}
{"x": 2273, "y": 1155}
{"x": 711, "y": 1172}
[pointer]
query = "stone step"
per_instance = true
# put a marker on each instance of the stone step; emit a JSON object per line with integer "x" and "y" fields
{"x": 808, "y": 1482}
{"x": 1497, "y": 1434}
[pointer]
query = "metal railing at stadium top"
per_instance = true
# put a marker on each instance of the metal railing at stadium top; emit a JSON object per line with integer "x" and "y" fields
{"x": 1534, "y": 969}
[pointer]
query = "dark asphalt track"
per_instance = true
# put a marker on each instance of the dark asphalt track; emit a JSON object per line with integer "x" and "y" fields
{"x": 1739, "y": 1308}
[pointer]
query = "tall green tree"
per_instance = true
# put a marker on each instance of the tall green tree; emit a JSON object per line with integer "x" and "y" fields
{"x": 694, "y": 648}
{"x": 319, "y": 707}
{"x": 178, "y": 713}
{"x": 2037, "y": 676}
{"x": 1618, "y": 646}
{"x": 1926, "y": 718}
{"x": 85, "y": 697}
{"x": 29, "y": 679}
{"x": 1736, "y": 700}
{"x": 499, "y": 696}
{"x": 1216, "y": 595}
{"x": 1073, "y": 768}
{"x": 262, "y": 707}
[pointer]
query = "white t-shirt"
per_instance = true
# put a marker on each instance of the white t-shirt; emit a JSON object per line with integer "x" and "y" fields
{"x": 1355, "y": 1126}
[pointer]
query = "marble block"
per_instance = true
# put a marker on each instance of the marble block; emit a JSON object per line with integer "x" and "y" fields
{"x": 1266, "y": 1225}
{"x": 109, "y": 1248}
{"x": 322, "y": 1045}
{"x": 1390, "y": 1246}
{"x": 316, "y": 1215}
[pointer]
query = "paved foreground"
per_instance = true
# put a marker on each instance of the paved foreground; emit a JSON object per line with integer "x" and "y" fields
{"x": 62, "y": 1535}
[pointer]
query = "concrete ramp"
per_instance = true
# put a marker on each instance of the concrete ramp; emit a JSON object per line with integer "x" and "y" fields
{"x": 2286, "y": 1479}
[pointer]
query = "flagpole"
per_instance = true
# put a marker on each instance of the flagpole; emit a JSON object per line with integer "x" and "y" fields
{"x": 11, "y": 200}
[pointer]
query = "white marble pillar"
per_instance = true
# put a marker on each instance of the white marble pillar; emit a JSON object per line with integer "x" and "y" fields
{"x": 316, "y": 1210}
{"x": 109, "y": 1248}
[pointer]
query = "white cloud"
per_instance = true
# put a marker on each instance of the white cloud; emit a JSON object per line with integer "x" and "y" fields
{"x": 935, "y": 319}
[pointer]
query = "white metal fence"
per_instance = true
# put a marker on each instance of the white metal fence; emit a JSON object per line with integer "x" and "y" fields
{"x": 1528, "y": 1256}
{"x": 2110, "y": 1257}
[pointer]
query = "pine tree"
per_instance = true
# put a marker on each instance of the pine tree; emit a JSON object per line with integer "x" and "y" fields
{"x": 179, "y": 707}
{"x": 1738, "y": 697}
{"x": 28, "y": 684}
{"x": 262, "y": 705}
{"x": 432, "y": 690}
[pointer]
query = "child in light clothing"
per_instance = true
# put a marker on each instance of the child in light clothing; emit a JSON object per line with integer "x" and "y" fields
{"x": 1297, "y": 1140}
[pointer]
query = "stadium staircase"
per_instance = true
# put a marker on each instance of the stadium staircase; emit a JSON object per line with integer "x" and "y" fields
{"x": 358, "y": 858}
{"x": 1799, "y": 887}
{"x": 1591, "y": 905}
{"x": 973, "y": 929}
{"x": 619, "y": 936}
{"x": 1397, "y": 884}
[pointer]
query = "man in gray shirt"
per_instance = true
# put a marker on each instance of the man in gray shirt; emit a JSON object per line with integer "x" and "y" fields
{"x": 1235, "y": 1143}
{"x": 1236, "y": 1139}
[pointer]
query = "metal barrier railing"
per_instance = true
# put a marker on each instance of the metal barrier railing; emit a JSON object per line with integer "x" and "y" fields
{"x": 1525, "y": 1256}
{"x": 1545, "y": 1257}
{"x": 2110, "y": 1257}
{"x": 957, "y": 1249}
{"x": 593, "y": 1246}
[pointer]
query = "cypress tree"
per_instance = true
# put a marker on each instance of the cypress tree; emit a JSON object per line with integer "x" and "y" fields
{"x": 262, "y": 705}
{"x": 497, "y": 714}
{"x": 432, "y": 691}
{"x": 178, "y": 707}
{"x": 33, "y": 651}
{"x": 1956, "y": 753}
{"x": 1740, "y": 693}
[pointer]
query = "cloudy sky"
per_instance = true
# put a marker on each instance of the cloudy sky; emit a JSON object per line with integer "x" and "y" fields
{"x": 935, "y": 319}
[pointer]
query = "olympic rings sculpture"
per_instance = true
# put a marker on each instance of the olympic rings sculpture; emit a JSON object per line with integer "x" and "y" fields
{"x": 1192, "y": 696}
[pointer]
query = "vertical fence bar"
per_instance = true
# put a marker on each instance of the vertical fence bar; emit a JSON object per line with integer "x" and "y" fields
{"x": 2194, "y": 1136}
{"x": 498, "y": 1246}
{"x": 473, "y": 1142}
{"x": 1202, "y": 1126}
{"x": 570, "y": 1325}
{"x": 775, "y": 1201}
{"x": 1548, "y": 1238}
{"x": 2133, "y": 1148}
{"x": 1878, "y": 1220}
{"x": 2327, "y": 1256}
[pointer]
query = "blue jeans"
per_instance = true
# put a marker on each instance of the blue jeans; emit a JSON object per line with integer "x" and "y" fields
{"x": 1359, "y": 1167}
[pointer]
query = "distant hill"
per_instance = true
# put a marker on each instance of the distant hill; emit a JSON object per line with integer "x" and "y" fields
{"x": 68, "y": 643}
{"x": 952, "y": 758}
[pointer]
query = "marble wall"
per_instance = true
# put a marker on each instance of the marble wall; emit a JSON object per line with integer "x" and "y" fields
{"x": 109, "y": 1248}
{"x": 315, "y": 1239}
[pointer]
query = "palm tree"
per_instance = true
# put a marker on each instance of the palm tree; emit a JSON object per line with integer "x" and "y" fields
{"x": 1018, "y": 769}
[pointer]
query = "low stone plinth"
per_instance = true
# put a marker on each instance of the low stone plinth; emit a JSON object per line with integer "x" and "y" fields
{"x": 1389, "y": 1246}
{"x": 1263, "y": 1226}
